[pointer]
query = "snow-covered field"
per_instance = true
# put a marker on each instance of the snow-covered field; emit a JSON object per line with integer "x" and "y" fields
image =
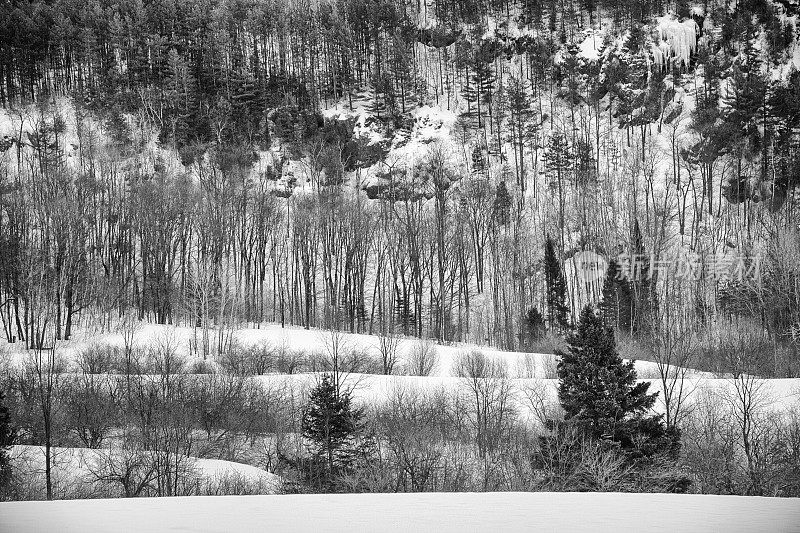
{"x": 529, "y": 374}
{"x": 526, "y": 370}
{"x": 440, "y": 512}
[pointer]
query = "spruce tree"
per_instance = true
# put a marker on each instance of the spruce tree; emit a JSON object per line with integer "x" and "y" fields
{"x": 642, "y": 284}
{"x": 7, "y": 437}
{"x": 331, "y": 426}
{"x": 479, "y": 165}
{"x": 599, "y": 392}
{"x": 533, "y": 324}
{"x": 522, "y": 127}
{"x": 478, "y": 90}
{"x": 501, "y": 210}
{"x": 615, "y": 307}
{"x": 556, "y": 288}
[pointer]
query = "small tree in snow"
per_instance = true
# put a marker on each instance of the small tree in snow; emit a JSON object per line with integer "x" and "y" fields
{"x": 331, "y": 427}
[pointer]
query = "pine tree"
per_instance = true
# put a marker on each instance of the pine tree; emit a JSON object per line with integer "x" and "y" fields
{"x": 521, "y": 123}
{"x": 502, "y": 205}
{"x": 615, "y": 307}
{"x": 642, "y": 284}
{"x": 556, "y": 288}
{"x": 332, "y": 426}
{"x": 599, "y": 392}
{"x": 7, "y": 437}
{"x": 479, "y": 165}
{"x": 558, "y": 162}
{"x": 479, "y": 89}
{"x": 533, "y": 324}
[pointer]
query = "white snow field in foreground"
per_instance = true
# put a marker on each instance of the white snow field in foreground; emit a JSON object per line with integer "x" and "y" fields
{"x": 439, "y": 512}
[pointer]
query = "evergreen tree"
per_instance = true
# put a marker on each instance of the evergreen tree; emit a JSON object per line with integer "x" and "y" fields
{"x": 479, "y": 165}
{"x": 479, "y": 90}
{"x": 556, "y": 288}
{"x": 502, "y": 205}
{"x": 599, "y": 392}
{"x": 522, "y": 128}
{"x": 533, "y": 324}
{"x": 642, "y": 284}
{"x": 558, "y": 162}
{"x": 331, "y": 426}
{"x": 7, "y": 437}
{"x": 616, "y": 305}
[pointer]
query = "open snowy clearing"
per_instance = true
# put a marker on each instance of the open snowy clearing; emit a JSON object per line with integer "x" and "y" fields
{"x": 441, "y": 512}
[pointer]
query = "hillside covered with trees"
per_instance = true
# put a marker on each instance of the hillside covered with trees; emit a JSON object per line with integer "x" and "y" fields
{"x": 426, "y": 168}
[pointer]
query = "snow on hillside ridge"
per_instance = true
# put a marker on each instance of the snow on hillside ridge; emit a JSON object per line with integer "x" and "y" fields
{"x": 519, "y": 364}
{"x": 440, "y": 512}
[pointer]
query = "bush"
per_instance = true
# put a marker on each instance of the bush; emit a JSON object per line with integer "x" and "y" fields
{"x": 358, "y": 361}
{"x": 164, "y": 361}
{"x": 423, "y": 359}
{"x": 258, "y": 359}
{"x": 201, "y": 366}
{"x": 289, "y": 361}
{"x": 551, "y": 343}
{"x": 261, "y": 358}
{"x": 100, "y": 359}
{"x": 233, "y": 361}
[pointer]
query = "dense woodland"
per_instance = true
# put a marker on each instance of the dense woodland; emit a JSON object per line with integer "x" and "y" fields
{"x": 177, "y": 158}
{"x": 429, "y": 169}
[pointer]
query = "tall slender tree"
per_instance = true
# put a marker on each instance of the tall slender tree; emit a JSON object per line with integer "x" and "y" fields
{"x": 556, "y": 288}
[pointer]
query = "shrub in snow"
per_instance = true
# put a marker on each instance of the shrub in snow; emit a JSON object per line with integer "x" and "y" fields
{"x": 100, "y": 359}
{"x": 422, "y": 359}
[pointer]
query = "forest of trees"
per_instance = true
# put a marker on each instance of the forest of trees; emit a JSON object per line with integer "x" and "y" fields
{"x": 175, "y": 158}
{"x": 428, "y": 172}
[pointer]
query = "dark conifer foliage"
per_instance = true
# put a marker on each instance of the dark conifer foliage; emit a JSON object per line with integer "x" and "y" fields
{"x": 7, "y": 439}
{"x": 616, "y": 304}
{"x": 643, "y": 284}
{"x": 502, "y": 205}
{"x": 534, "y": 325}
{"x": 599, "y": 391}
{"x": 557, "y": 308}
{"x": 334, "y": 430}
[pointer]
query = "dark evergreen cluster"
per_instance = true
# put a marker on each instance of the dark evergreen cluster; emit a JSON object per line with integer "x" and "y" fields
{"x": 335, "y": 432}
{"x": 607, "y": 413}
{"x": 599, "y": 391}
{"x": 7, "y": 438}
